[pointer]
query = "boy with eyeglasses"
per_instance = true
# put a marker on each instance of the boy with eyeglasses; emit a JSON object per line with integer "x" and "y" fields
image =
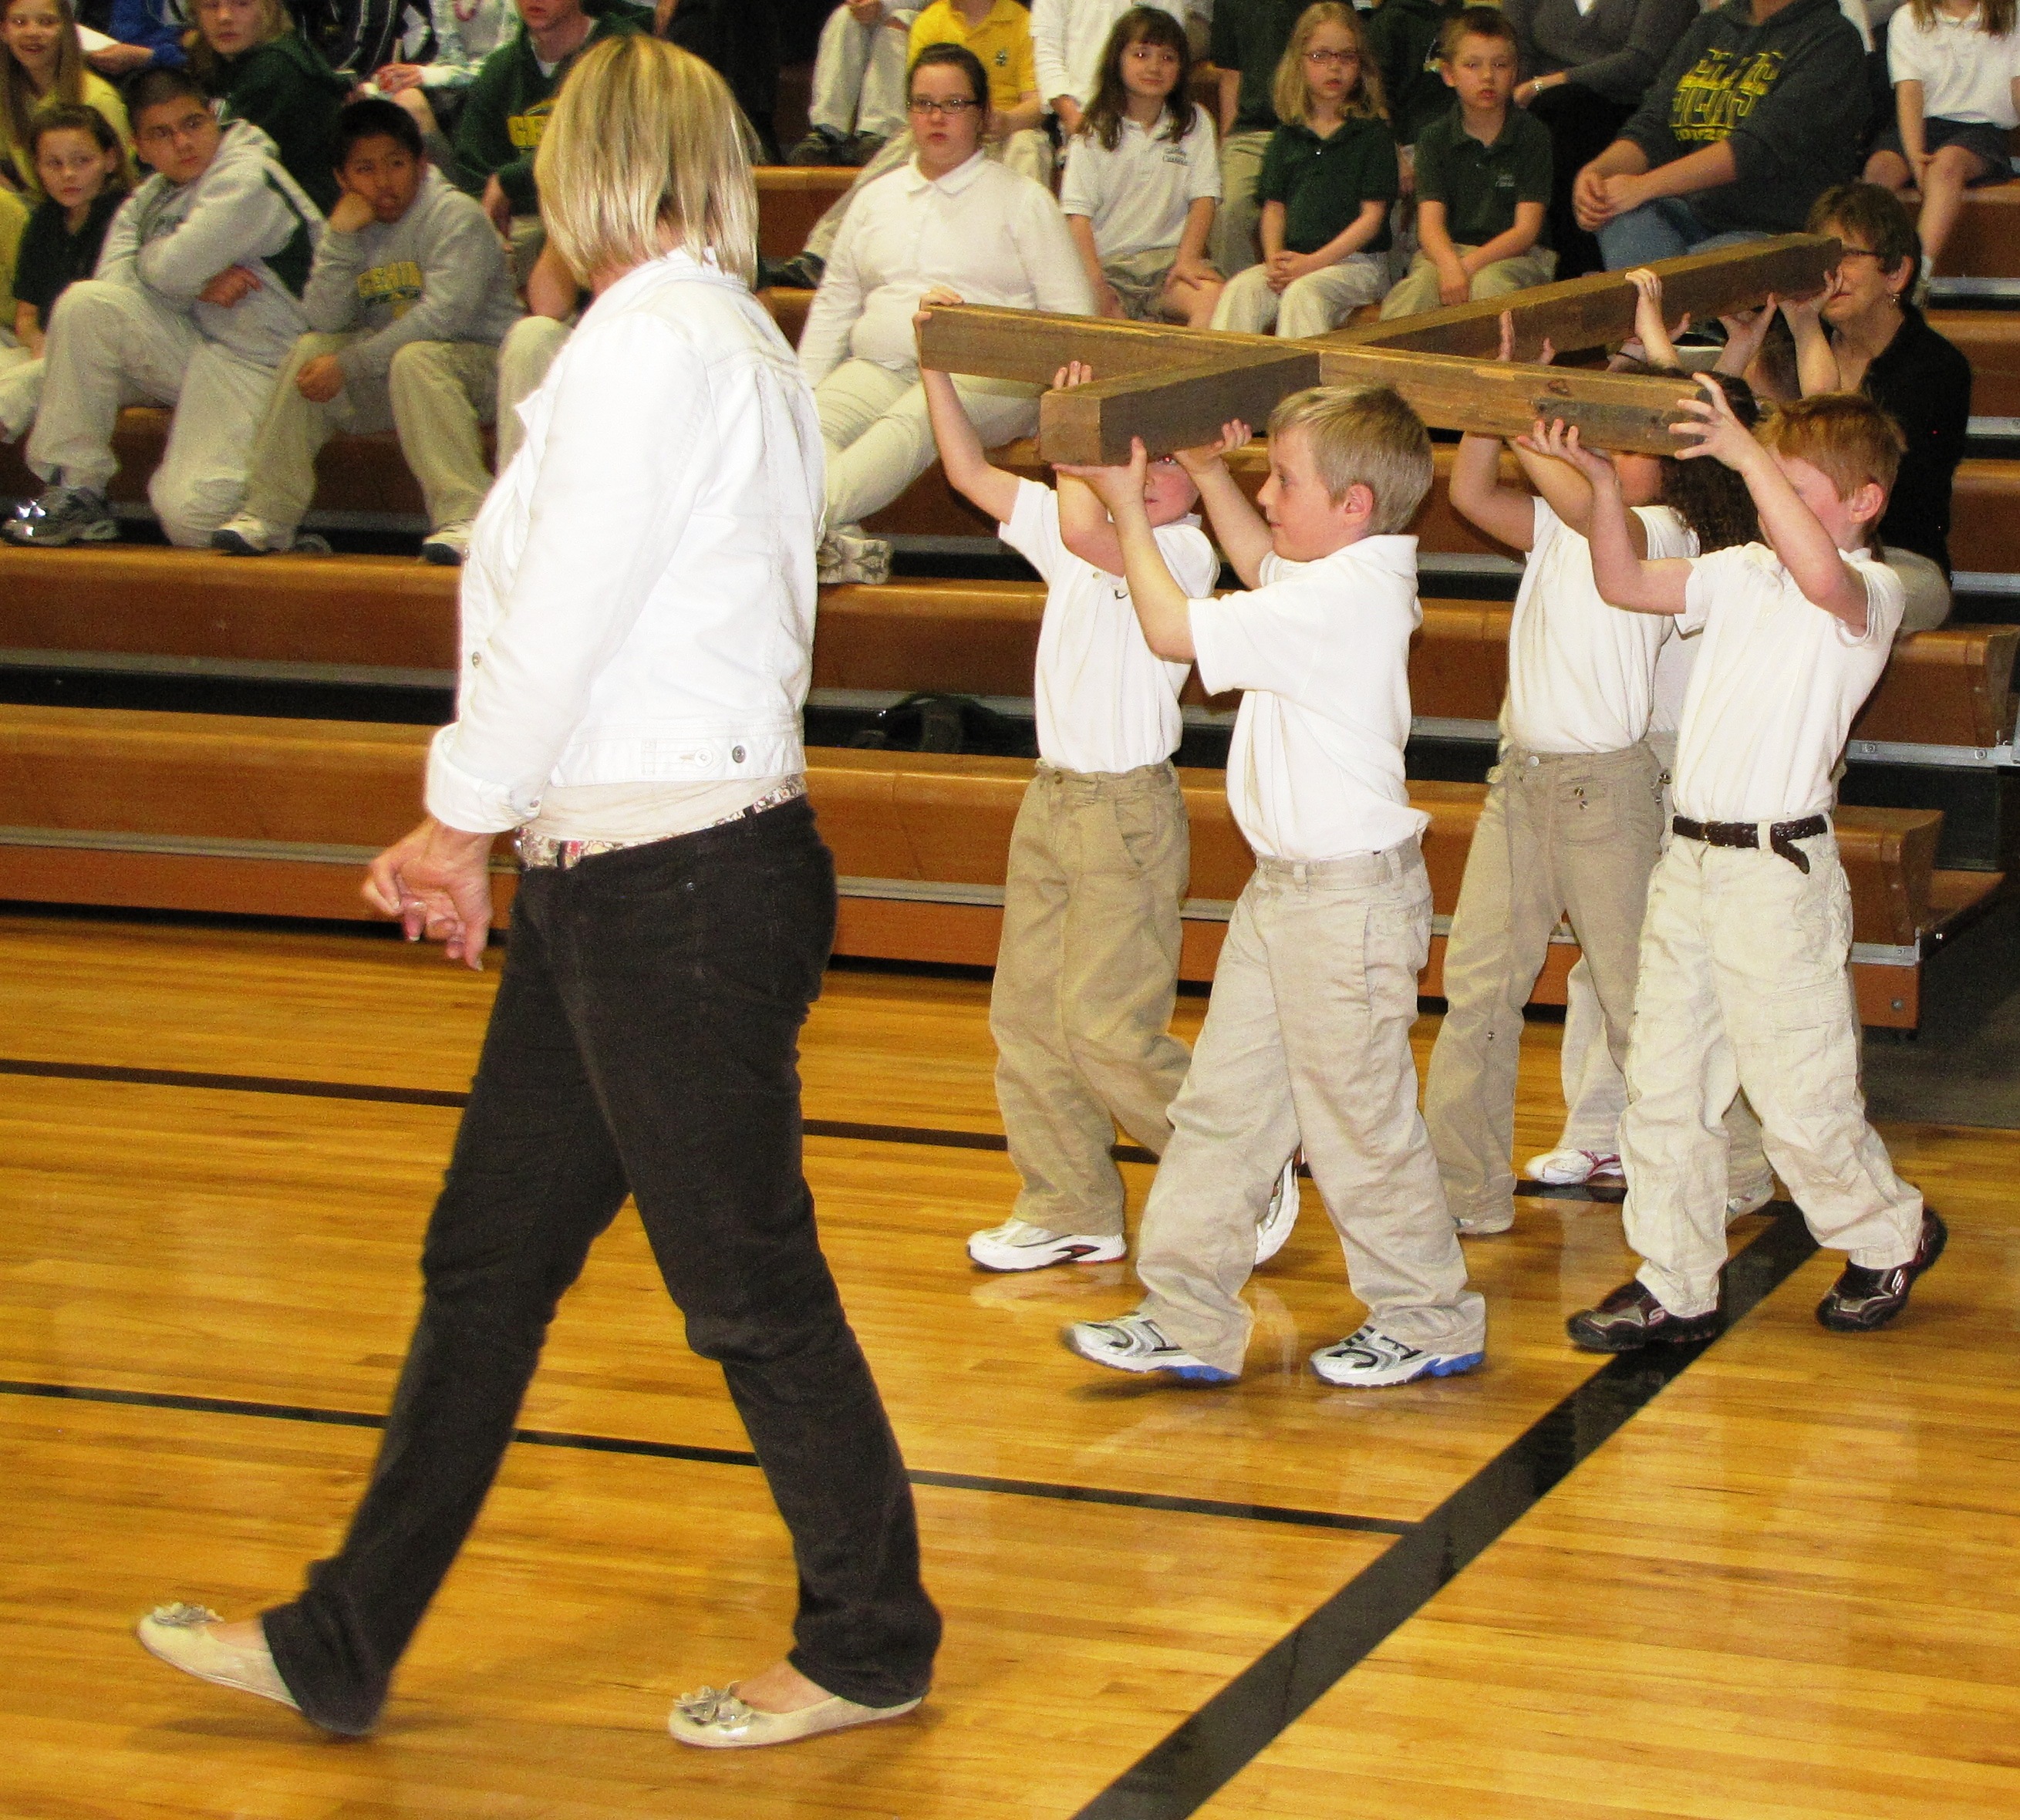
{"x": 196, "y": 304}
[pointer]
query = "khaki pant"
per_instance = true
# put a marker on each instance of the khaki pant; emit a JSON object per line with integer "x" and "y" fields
{"x": 859, "y": 77}
{"x": 1237, "y": 224}
{"x": 1560, "y": 834}
{"x": 20, "y": 390}
{"x": 1312, "y": 305}
{"x": 1029, "y": 154}
{"x": 436, "y": 395}
{"x": 524, "y": 357}
{"x": 1417, "y": 290}
{"x": 880, "y": 439}
{"x": 1745, "y": 985}
{"x": 1307, "y": 1039}
{"x": 1085, "y": 979}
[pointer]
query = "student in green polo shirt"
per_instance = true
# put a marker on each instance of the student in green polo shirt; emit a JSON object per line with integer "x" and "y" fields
{"x": 1482, "y": 178}
{"x": 1328, "y": 180}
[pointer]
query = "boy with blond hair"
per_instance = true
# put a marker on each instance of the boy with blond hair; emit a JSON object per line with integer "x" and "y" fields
{"x": 1307, "y": 1036}
{"x": 1744, "y": 980}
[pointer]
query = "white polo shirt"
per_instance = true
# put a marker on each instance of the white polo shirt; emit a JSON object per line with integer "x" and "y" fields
{"x": 1323, "y": 649}
{"x": 1581, "y": 673}
{"x": 1137, "y": 196}
{"x": 1775, "y": 688}
{"x": 985, "y": 232}
{"x": 1673, "y": 665}
{"x": 1106, "y": 702}
{"x": 1965, "y": 74}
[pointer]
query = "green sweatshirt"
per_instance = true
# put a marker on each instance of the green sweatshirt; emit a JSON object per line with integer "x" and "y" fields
{"x": 288, "y": 90}
{"x": 509, "y": 102}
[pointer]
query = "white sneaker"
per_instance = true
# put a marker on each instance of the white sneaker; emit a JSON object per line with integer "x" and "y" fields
{"x": 183, "y": 1636}
{"x": 1739, "y": 1202}
{"x": 1282, "y": 1213}
{"x": 1016, "y": 1245}
{"x": 847, "y": 556}
{"x": 1368, "y": 1359}
{"x": 246, "y": 535}
{"x": 447, "y": 545}
{"x": 1133, "y": 1342}
{"x": 1566, "y": 1168}
{"x": 1480, "y": 1225}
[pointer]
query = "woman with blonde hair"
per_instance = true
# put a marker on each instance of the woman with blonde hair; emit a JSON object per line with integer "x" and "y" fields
{"x": 249, "y": 54}
{"x": 637, "y": 619}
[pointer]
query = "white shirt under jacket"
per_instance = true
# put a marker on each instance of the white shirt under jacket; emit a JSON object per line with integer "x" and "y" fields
{"x": 985, "y": 233}
{"x": 639, "y": 604}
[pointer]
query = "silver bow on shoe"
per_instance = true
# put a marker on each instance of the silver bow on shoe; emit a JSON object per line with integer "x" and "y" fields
{"x": 716, "y": 1719}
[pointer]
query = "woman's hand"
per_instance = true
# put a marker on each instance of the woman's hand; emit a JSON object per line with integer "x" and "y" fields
{"x": 436, "y": 881}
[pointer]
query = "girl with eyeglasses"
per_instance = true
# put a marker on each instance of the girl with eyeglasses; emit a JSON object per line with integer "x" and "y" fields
{"x": 1143, "y": 179}
{"x": 1328, "y": 180}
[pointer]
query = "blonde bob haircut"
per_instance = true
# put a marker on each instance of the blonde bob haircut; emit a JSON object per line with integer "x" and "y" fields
{"x": 1365, "y": 436}
{"x": 646, "y": 149}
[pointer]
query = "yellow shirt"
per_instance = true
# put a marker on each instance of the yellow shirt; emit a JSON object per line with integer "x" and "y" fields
{"x": 98, "y": 93}
{"x": 1002, "y": 41}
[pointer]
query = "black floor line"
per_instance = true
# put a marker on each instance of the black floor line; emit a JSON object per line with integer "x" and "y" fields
{"x": 1180, "y": 1774}
{"x": 933, "y": 1136}
{"x": 662, "y": 1449}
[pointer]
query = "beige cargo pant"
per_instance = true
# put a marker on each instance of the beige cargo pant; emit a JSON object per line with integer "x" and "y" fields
{"x": 1744, "y": 984}
{"x": 1085, "y": 979}
{"x": 1307, "y": 1038}
{"x": 1560, "y": 834}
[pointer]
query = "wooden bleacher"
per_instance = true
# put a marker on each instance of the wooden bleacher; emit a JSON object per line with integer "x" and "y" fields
{"x": 275, "y": 817}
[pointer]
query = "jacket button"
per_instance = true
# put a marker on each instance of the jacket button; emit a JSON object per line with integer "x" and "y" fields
{"x": 476, "y": 659}
{"x": 737, "y": 755}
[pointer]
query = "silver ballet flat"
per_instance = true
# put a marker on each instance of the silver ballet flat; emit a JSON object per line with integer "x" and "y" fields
{"x": 715, "y": 1719}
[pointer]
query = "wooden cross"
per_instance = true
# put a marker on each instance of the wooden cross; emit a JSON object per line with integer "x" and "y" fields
{"x": 1175, "y": 387}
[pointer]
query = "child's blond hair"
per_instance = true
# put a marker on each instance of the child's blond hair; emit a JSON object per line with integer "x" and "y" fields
{"x": 1292, "y": 96}
{"x": 1995, "y": 17}
{"x": 1364, "y": 436}
{"x": 1844, "y": 435}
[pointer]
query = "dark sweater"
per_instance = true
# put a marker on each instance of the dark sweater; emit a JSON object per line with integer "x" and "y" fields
{"x": 1615, "y": 49}
{"x": 739, "y": 40}
{"x": 509, "y": 102}
{"x": 1403, "y": 34}
{"x": 1790, "y": 96}
{"x": 1250, "y": 36}
{"x": 1925, "y": 384}
{"x": 285, "y": 89}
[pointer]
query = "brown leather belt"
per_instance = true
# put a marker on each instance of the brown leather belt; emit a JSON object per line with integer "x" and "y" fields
{"x": 1782, "y": 836}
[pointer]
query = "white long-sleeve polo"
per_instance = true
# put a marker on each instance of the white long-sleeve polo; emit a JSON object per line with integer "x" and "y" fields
{"x": 982, "y": 232}
{"x": 639, "y": 604}
{"x": 1068, "y": 38}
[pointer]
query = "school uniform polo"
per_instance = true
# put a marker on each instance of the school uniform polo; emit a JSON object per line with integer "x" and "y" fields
{"x": 1322, "y": 182}
{"x": 52, "y": 258}
{"x": 1481, "y": 184}
{"x": 1137, "y": 196}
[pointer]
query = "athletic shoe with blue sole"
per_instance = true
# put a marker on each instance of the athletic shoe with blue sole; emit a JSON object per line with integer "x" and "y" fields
{"x": 1369, "y": 1359}
{"x": 1133, "y": 1342}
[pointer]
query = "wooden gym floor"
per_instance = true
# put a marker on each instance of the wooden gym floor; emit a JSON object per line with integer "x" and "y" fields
{"x": 1783, "y": 1579}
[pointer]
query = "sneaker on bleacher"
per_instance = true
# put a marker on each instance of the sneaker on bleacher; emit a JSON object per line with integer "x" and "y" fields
{"x": 823, "y": 146}
{"x": 847, "y": 556}
{"x": 246, "y": 535}
{"x": 63, "y": 515}
{"x": 447, "y": 545}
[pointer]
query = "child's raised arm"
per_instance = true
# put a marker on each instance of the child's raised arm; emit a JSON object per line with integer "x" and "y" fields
{"x": 1243, "y": 533}
{"x": 1624, "y": 577}
{"x": 1084, "y": 527}
{"x": 1507, "y": 514}
{"x": 1807, "y": 549}
{"x": 1162, "y": 608}
{"x": 968, "y": 469}
{"x": 1657, "y": 347}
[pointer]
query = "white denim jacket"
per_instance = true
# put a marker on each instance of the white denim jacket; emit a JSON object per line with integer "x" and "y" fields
{"x": 638, "y": 603}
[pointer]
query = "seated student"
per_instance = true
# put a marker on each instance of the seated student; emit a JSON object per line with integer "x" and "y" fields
{"x": 953, "y": 219}
{"x": 408, "y": 300}
{"x": 42, "y": 64}
{"x": 1307, "y": 1035}
{"x": 858, "y": 92}
{"x": 1955, "y": 65}
{"x": 434, "y": 92}
{"x": 248, "y": 53}
{"x": 1142, "y": 178}
{"x": 1248, "y": 43}
{"x": 1744, "y": 950}
{"x": 357, "y": 36}
{"x": 1761, "y": 107}
{"x": 1863, "y": 335}
{"x": 196, "y": 305}
{"x": 82, "y": 168}
{"x": 506, "y": 110}
{"x": 1328, "y": 181}
{"x": 1483, "y": 180}
{"x": 146, "y": 35}
{"x": 999, "y": 32}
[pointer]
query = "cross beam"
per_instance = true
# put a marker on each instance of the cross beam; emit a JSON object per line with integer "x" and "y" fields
{"x": 1175, "y": 387}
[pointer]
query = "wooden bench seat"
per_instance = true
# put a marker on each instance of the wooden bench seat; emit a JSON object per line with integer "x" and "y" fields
{"x": 1985, "y": 242}
{"x": 1990, "y": 340}
{"x": 1952, "y": 687}
{"x": 274, "y": 817}
{"x": 790, "y": 199}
